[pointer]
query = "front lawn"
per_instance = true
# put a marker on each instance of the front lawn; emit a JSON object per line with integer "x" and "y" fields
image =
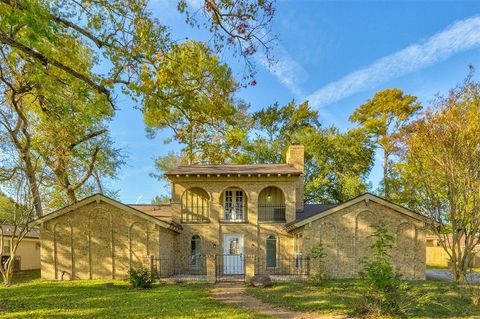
{"x": 445, "y": 300}
{"x": 29, "y": 298}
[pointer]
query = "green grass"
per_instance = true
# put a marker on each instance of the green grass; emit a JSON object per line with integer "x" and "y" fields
{"x": 445, "y": 300}
{"x": 29, "y": 297}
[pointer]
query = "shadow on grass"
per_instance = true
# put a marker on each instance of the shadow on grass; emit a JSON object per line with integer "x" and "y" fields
{"x": 90, "y": 299}
{"x": 443, "y": 299}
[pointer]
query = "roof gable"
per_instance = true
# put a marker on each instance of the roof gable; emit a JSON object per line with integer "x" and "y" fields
{"x": 98, "y": 198}
{"x": 351, "y": 202}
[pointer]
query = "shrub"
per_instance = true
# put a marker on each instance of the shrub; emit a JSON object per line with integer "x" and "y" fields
{"x": 385, "y": 292}
{"x": 140, "y": 277}
{"x": 317, "y": 254}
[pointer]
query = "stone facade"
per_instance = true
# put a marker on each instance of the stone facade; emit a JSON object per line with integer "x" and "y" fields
{"x": 345, "y": 237}
{"x": 210, "y": 214}
{"x": 98, "y": 241}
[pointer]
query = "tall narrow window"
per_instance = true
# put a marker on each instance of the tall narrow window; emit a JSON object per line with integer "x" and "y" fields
{"x": 271, "y": 251}
{"x": 234, "y": 205}
{"x": 195, "y": 252}
{"x": 298, "y": 242}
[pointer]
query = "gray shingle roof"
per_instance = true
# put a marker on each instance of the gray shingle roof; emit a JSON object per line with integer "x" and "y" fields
{"x": 225, "y": 169}
{"x": 8, "y": 231}
{"x": 312, "y": 209}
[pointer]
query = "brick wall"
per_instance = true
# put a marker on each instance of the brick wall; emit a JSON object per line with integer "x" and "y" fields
{"x": 99, "y": 241}
{"x": 345, "y": 233}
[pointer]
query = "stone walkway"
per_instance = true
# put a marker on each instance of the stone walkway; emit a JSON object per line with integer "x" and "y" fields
{"x": 235, "y": 294}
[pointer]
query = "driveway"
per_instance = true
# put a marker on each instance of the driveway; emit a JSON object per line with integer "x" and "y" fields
{"x": 445, "y": 275}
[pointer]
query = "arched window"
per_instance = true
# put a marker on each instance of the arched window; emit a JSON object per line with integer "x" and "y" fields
{"x": 271, "y": 247}
{"x": 271, "y": 205}
{"x": 195, "y": 252}
{"x": 195, "y": 206}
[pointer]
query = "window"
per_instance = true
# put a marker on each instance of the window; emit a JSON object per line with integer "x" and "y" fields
{"x": 271, "y": 248}
{"x": 195, "y": 252}
{"x": 6, "y": 250}
{"x": 234, "y": 246}
{"x": 298, "y": 242}
{"x": 234, "y": 205}
{"x": 195, "y": 206}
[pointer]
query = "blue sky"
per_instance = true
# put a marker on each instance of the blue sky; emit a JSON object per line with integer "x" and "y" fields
{"x": 336, "y": 54}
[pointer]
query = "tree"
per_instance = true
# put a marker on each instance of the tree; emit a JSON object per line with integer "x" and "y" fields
{"x": 19, "y": 216}
{"x": 128, "y": 41}
{"x": 195, "y": 93}
{"x": 383, "y": 117}
{"x": 276, "y": 127}
{"x": 16, "y": 133}
{"x": 161, "y": 200}
{"x": 340, "y": 164}
{"x": 336, "y": 164}
{"x": 442, "y": 165}
{"x": 55, "y": 126}
{"x": 6, "y": 206}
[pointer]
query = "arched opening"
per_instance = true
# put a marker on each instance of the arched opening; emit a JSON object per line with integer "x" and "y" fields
{"x": 271, "y": 205}
{"x": 234, "y": 203}
{"x": 195, "y": 206}
{"x": 271, "y": 251}
{"x": 195, "y": 252}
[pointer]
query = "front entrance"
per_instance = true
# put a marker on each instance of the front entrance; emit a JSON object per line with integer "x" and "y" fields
{"x": 231, "y": 265}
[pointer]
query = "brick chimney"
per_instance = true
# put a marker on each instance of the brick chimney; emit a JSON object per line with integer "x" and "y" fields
{"x": 296, "y": 158}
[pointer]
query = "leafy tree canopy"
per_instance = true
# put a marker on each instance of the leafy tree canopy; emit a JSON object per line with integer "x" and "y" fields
{"x": 383, "y": 117}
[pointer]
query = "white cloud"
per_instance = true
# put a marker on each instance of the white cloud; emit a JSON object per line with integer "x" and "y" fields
{"x": 460, "y": 36}
{"x": 288, "y": 71}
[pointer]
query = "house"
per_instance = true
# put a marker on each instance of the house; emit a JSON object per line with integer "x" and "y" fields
{"x": 28, "y": 251}
{"x": 226, "y": 222}
{"x": 438, "y": 257}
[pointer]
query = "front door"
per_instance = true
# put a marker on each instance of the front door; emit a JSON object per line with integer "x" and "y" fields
{"x": 233, "y": 259}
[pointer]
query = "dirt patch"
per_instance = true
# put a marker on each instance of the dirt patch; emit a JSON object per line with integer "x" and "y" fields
{"x": 235, "y": 294}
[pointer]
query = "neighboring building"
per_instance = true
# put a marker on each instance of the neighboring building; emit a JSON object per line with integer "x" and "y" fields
{"x": 226, "y": 222}
{"x": 28, "y": 251}
{"x": 438, "y": 257}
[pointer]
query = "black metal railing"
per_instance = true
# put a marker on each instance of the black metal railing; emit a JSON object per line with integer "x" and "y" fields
{"x": 271, "y": 213}
{"x": 298, "y": 266}
{"x": 169, "y": 266}
{"x": 198, "y": 215}
{"x": 230, "y": 267}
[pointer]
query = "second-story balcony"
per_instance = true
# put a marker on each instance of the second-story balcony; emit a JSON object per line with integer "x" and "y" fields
{"x": 271, "y": 205}
{"x": 271, "y": 213}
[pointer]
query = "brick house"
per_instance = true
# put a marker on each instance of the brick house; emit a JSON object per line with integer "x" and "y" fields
{"x": 226, "y": 222}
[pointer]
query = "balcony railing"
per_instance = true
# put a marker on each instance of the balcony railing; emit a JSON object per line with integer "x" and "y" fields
{"x": 195, "y": 215}
{"x": 271, "y": 213}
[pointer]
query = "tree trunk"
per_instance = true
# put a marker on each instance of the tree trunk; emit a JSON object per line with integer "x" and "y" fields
{"x": 98, "y": 182}
{"x": 32, "y": 183}
{"x": 71, "y": 197}
{"x": 386, "y": 182}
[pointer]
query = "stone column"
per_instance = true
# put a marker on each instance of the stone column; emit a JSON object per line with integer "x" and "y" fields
{"x": 210, "y": 268}
{"x": 249, "y": 267}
